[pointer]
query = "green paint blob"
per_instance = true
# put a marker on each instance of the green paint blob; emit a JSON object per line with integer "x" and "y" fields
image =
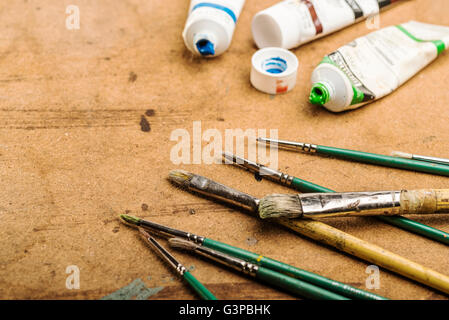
{"x": 130, "y": 219}
{"x": 320, "y": 94}
{"x": 136, "y": 289}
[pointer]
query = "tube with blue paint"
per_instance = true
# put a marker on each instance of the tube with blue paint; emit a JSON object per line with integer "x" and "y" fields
{"x": 210, "y": 26}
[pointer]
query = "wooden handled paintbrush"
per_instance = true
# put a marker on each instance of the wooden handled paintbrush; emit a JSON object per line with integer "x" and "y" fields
{"x": 318, "y": 231}
{"x": 350, "y": 204}
{"x": 199, "y": 288}
{"x": 277, "y": 279}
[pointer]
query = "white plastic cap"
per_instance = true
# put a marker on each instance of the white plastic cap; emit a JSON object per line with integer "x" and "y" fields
{"x": 212, "y": 33}
{"x": 274, "y": 70}
{"x": 276, "y": 26}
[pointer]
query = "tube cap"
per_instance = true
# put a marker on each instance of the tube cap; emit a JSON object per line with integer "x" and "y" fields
{"x": 274, "y": 70}
{"x": 276, "y": 26}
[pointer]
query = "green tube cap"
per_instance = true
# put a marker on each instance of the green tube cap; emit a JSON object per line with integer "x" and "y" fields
{"x": 320, "y": 94}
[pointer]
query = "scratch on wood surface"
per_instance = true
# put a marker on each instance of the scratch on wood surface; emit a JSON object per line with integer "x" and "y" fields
{"x": 33, "y": 119}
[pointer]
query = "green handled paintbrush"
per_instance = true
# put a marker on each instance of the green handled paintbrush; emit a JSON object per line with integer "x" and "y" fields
{"x": 202, "y": 291}
{"x": 313, "y": 278}
{"x": 307, "y": 187}
{"x": 360, "y": 156}
{"x": 280, "y": 280}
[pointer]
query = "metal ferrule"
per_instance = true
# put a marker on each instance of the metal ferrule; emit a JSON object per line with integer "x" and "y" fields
{"x": 320, "y": 205}
{"x": 431, "y": 159}
{"x": 236, "y": 263}
{"x": 262, "y": 170}
{"x": 290, "y": 145}
{"x": 167, "y": 256}
{"x": 221, "y": 192}
{"x": 194, "y": 238}
{"x": 170, "y": 232}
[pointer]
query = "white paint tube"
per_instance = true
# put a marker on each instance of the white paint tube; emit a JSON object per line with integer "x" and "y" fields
{"x": 292, "y": 23}
{"x": 210, "y": 26}
{"x": 375, "y": 65}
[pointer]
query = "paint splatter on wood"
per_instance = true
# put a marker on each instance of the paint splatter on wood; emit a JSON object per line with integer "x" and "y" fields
{"x": 132, "y": 77}
{"x": 136, "y": 289}
{"x": 144, "y": 124}
{"x": 251, "y": 241}
{"x": 150, "y": 112}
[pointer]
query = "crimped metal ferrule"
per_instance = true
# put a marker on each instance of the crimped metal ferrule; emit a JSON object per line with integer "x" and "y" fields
{"x": 233, "y": 262}
{"x": 181, "y": 269}
{"x": 195, "y": 238}
{"x": 350, "y": 204}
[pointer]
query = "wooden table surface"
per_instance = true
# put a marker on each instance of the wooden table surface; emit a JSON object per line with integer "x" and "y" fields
{"x": 86, "y": 118}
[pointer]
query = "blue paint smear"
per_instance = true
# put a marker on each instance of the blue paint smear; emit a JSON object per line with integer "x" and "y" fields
{"x": 275, "y": 71}
{"x": 275, "y": 65}
{"x": 136, "y": 289}
{"x": 279, "y": 59}
{"x": 216, "y": 6}
{"x": 205, "y": 47}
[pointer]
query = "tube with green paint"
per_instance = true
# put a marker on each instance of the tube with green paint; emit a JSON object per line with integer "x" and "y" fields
{"x": 375, "y": 65}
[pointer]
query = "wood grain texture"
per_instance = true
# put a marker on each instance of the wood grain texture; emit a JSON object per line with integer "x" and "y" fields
{"x": 75, "y": 152}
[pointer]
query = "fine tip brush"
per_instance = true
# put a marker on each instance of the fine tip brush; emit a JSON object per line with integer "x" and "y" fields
{"x": 310, "y": 277}
{"x": 199, "y": 288}
{"x": 360, "y": 156}
{"x": 345, "y": 204}
{"x": 277, "y": 279}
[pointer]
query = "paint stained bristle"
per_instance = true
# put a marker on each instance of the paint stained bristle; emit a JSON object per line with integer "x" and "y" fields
{"x": 182, "y": 244}
{"x": 144, "y": 233}
{"x": 130, "y": 220}
{"x": 280, "y": 205}
{"x": 180, "y": 177}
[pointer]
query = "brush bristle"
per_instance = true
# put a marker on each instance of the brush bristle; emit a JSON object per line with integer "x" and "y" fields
{"x": 130, "y": 220}
{"x": 280, "y": 205}
{"x": 180, "y": 177}
{"x": 182, "y": 244}
{"x": 144, "y": 233}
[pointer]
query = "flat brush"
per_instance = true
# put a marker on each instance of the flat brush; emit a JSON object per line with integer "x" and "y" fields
{"x": 360, "y": 156}
{"x": 310, "y": 277}
{"x": 351, "y": 204}
{"x": 306, "y": 186}
{"x": 277, "y": 279}
{"x": 318, "y": 231}
{"x": 417, "y": 157}
{"x": 200, "y": 289}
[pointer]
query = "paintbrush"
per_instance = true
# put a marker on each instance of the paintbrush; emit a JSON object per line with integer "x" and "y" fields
{"x": 200, "y": 289}
{"x": 318, "y": 231}
{"x": 352, "y": 204}
{"x": 254, "y": 258}
{"x": 272, "y": 277}
{"x": 360, "y": 156}
{"x": 417, "y": 157}
{"x": 308, "y": 187}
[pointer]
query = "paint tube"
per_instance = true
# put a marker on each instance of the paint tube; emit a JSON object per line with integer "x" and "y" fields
{"x": 292, "y": 23}
{"x": 210, "y": 26}
{"x": 375, "y": 65}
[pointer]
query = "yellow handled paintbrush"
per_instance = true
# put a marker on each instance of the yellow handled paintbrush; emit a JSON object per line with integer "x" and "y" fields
{"x": 318, "y": 231}
{"x": 350, "y": 204}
